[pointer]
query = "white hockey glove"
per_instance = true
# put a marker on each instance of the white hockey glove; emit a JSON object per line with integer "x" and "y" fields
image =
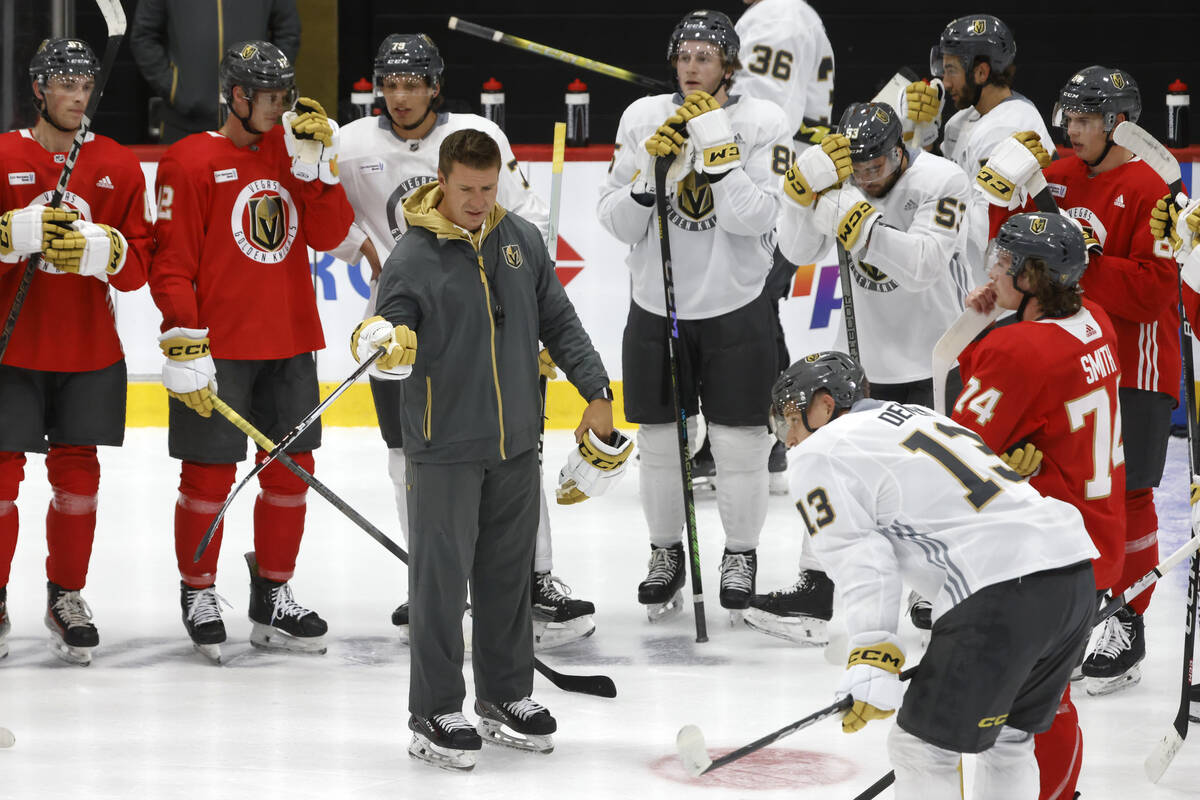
{"x": 189, "y": 372}
{"x": 312, "y": 141}
{"x": 89, "y": 249}
{"x": 642, "y": 186}
{"x": 1177, "y": 226}
{"x": 1189, "y": 270}
{"x": 709, "y": 128}
{"x": 872, "y": 679}
{"x": 1014, "y": 161}
{"x": 25, "y": 231}
{"x": 854, "y": 218}
{"x": 400, "y": 342}
{"x": 593, "y": 468}
{"x": 818, "y": 168}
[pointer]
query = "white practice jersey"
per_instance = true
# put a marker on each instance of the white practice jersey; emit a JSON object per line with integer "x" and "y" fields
{"x": 379, "y": 170}
{"x": 910, "y": 281}
{"x": 787, "y": 59}
{"x": 970, "y": 138}
{"x": 721, "y": 234}
{"x": 894, "y": 494}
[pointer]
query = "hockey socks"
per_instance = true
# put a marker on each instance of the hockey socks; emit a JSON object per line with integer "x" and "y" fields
{"x": 74, "y": 474}
{"x": 279, "y": 518}
{"x": 12, "y": 471}
{"x": 202, "y": 490}
{"x": 1059, "y": 753}
{"x": 1141, "y": 545}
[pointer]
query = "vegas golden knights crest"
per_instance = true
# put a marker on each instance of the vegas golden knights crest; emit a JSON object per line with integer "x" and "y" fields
{"x": 1118, "y": 80}
{"x": 810, "y": 358}
{"x": 695, "y": 196}
{"x": 512, "y": 255}
{"x": 1037, "y": 225}
{"x": 979, "y": 26}
{"x": 248, "y": 52}
{"x": 882, "y": 116}
{"x": 267, "y": 228}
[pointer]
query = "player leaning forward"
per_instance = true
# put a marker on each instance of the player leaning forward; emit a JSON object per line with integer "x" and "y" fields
{"x": 893, "y": 494}
{"x": 474, "y": 285}
{"x": 722, "y": 201}
{"x": 236, "y": 212}
{"x": 62, "y": 384}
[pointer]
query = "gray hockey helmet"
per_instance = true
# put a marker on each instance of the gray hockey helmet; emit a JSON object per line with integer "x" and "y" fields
{"x": 1053, "y": 238}
{"x": 874, "y": 130}
{"x": 256, "y": 65}
{"x": 1100, "y": 90}
{"x": 795, "y": 388}
{"x": 409, "y": 54}
{"x": 971, "y": 37}
{"x": 706, "y": 26}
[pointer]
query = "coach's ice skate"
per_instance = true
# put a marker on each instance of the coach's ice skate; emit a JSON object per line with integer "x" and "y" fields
{"x": 279, "y": 622}
{"x": 777, "y": 465}
{"x": 444, "y": 740}
{"x": 400, "y": 620}
{"x": 201, "y": 612}
{"x": 5, "y": 625}
{"x": 69, "y": 618}
{"x": 660, "y": 592}
{"x": 799, "y": 613}
{"x": 522, "y": 724}
{"x": 558, "y": 619}
{"x": 738, "y": 573}
{"x": 1113, "y": 663}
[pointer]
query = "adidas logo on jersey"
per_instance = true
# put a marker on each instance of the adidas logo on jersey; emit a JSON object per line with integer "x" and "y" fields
{"x": 1120, "y": 201}
{"x": 910, "y": 205}
{"x": 105, "y": 183}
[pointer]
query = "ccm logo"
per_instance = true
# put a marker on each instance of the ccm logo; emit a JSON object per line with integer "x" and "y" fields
{"x": 190, "y": 350}
{"x": 993, "y": 722}
{"x": 870, "y": 656}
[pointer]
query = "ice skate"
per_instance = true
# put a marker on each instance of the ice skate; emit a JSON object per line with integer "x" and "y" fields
{"x": 738, "y": 572}
{"x": 1113, "y": 663}
{"x": 1194, "y": 703}
{"x": 400, "y": 620}
{"x": 660, "y": 592}
{"x": 279, "y": 622}
{"x": 447, "y": 741}
{"x": 522, "y": 724}
{"x": 777, "y": 465}
{"x": 704, "y": 469}
{"x": 5, "y": 625}
{"x": 201, "y": 612}
{"x": 920, "y": 611}
{"x": 558, "y": 619}
{"x": 69, "y": 618}
{"x": 799, "y": 613}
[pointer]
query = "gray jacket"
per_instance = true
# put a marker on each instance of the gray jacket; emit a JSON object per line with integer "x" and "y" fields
{"x": 478, "y": 315}
{"x": 178, "y": 46}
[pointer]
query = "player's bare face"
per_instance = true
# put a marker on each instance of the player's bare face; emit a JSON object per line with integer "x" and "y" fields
{"x": 1007, "y": 295}
{"x": 876, "y": 177}
{"x": 67, "y": 97}
{"x": 1087, "y": 134}
{"x": 699, "y": 68}
{"x": 955, "y": 80}
{"x": 468, "y": 194}
{"x": 407, "y": 97}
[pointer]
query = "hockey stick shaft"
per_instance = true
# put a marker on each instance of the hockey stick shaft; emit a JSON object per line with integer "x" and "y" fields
{"x": 284, "y": 443}
{"x": 848, "y": 302}
{"x": 114, "y": 20}
{"x": 661, "y": 166}
{"x": 470, "y": 28}
{"x": 556, "y": 171}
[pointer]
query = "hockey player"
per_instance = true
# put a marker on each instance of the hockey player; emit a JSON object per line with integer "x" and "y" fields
{"x": 1041, "y": 389}
{"x": 1112, "y": 193}
{"x": 474, "y": 287}
{"x": 62, "y": 381}
{"x": 236, "y": 213}
{"x": 722, "y": 201}
{"x": 384, "y": 159}
{"x": 890, "y": 492}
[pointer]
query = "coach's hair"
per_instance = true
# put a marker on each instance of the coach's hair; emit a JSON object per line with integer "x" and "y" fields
{"x": 469, "y": 147}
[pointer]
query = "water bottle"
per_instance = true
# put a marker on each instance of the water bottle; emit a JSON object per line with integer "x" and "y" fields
{"x": 492, "y": 101}
{"x": 1178, "y": 101}
{"x": 362, "y": 99}
{"x": 578, "y": 114}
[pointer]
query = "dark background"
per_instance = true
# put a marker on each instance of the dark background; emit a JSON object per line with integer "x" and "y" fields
{"x": 870, "y": 41}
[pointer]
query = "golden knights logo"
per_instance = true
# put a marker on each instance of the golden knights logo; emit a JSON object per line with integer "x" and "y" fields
{"x": 882, "y": 116}
{"x": 248, "y": 52}
{"x": 694, "y": 197}
{"x": 1118, "y": 80}
{"x": 512, "y": 255}
{"x": 808, "y": 359}
{"x": 1037, "y": 225}
{"x": 979, "y": 27}
{"x": 871, "y": 278}
{"x": 264, "y": 221}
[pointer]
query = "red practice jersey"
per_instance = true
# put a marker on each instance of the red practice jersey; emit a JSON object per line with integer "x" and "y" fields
{"x": 1054, "y": 382}
{"x": 67, "y": 324}
{"x": 231, "y": 239}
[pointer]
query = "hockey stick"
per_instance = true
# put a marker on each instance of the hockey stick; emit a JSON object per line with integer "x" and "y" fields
{"x": 556, "y": 168}
{"x": 661, "y": 167}
{"x": 470, "y": 28}
{"x": 848, "y": 302}
{"x": 284, "y": 443}
{"x": 114, "y": 20}
{"x": 960, "y": 334}
{"x": 1136, "y": 140}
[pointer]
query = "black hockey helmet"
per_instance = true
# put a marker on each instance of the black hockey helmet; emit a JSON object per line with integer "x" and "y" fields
{"x": 706, "y": 26}
{"x": 874, "y": 130}
{"x": 256, "y": 65}
{"x": 1099, "y": 90}
{"x": 971, "y": 37}
{"x": 795, "y": 388}
{"x": 1054, "y": 239}
{"x": 409, "y": 54}
{"x": 62, "y": 57}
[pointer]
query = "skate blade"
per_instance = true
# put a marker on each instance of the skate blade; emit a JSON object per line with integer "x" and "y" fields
{"x": 660, "y": 612}
{"x": 79, "y": 656}
{"x": 1097, "y": 687}
{"x": 3, "y": 649}
{"x": 442, "y": 757}
{"x": 494, "y": 732}
{"x": 804, "y": 631}
{"x": 547, "y": 635}
{"x": 267, "y": 638}
{"x": 1077, "y": 674}
{"x": 402, "y": 634}
{"x": 778, "y": 483}
{"x": 705, "y": 484}
{"x": 737, "y": 616}
{"x": 210, "y": 651}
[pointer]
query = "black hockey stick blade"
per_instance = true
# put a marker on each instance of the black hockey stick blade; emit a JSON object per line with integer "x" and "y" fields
{"x": 596, "y": 685}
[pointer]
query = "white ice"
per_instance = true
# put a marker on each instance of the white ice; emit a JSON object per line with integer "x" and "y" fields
{"x": 151, "y": 719}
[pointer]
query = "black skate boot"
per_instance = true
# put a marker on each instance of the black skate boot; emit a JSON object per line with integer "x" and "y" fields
{"x": 1113, "y": 663}
{"x": 522, "y": 724}
{"x": 777, "y": 465}
{"x": 798, "y": 613}
{"x": 920, "y": 611}
{"x": 202, "y": 617}
{"x": 558, "y": 618}
{"x": 1194, "y": 703}
{"x": 704, "y": 468}
{"x": 5, "y": 625}
{"x": 279, "y": 622}
{"x": 738, "y": 572}
{"x": 400, "y": 615}
{"x": 444, "y": 740}
{"x": 69, "y": 618}
{"x": 660, "y": 591}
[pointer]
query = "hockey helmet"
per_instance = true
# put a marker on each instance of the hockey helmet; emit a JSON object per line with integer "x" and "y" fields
{"x": 706, "y": 26}
{"x": 1099, "y": 90}
{"x": 795, "y": 388}
{"x": 62, "y": 57}
{"x": 1054, "y": 239}
{"x": 874, "y": 130}
{"x": 971, "y": 37}
{"x": 256, "y": 65}
{"x": 409, "y": 54}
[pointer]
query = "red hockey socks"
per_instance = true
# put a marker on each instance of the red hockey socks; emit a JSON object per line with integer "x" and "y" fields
{"x": 12, "y": 471}
{"x": 279, "y": 517}
{"x": 1141, "y": 545}
{"x": 74, "y": 474}
{"x": 202, "y": 490}
{"x": 1059, "y": 752}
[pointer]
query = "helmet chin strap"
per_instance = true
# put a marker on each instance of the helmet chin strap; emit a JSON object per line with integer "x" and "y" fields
{"x": 421, "y": 121}
{"x": 1108, "y": 145}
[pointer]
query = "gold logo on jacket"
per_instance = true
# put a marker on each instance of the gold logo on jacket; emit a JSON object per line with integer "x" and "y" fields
{"x": 512, "y": 255}
{"x": 264, "y": 221}
{"x": 695, "y": 196}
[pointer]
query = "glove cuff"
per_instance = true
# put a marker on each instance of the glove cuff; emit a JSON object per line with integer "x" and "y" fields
{"x": 879, "y": 649}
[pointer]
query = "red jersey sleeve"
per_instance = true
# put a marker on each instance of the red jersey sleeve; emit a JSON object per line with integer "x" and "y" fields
{"x": 132, "y": 219}
{"x": 178, "y": 240}
{"x": 998, "y": 387}
{"x": 325, "y": 213}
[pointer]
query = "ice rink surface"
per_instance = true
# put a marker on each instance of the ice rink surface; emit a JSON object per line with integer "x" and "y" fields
{"x": 150, "y": 718}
